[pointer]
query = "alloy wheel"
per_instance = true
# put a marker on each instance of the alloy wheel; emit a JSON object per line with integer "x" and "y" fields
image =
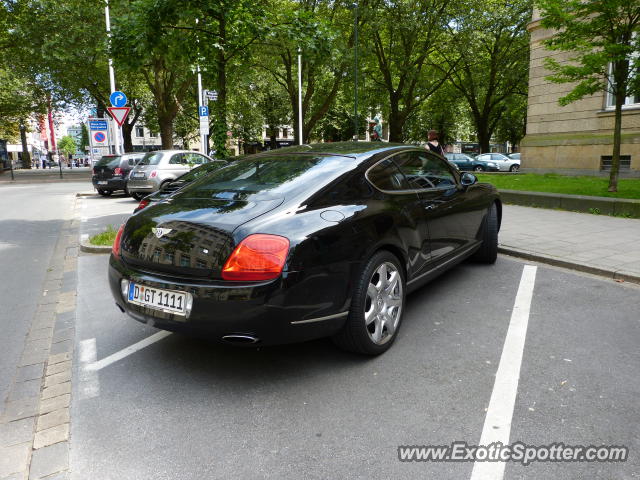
{"x": 383, "y": 307}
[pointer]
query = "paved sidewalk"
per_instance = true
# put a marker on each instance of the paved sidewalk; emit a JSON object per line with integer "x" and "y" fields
{"x": 598, "y": 244}
{"x": 36, "y": 175}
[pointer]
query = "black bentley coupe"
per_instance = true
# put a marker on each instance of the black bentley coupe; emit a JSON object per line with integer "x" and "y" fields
{"x": 301, "y": 243}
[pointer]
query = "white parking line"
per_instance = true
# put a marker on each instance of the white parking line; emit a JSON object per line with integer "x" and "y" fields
{"x": 89, "y": 381}
{"x": 105, "y": 362}
{"x": 497, "y": 423}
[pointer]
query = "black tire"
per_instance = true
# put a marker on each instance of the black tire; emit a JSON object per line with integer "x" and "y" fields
{"x": 137, "y": 196}
{"x": 478, "y": 168}
{"x": 514, "y": 168}
{"x": 105, "y": 193}
{"x": 488, "y": 252}
{"x": 356, "y": 336}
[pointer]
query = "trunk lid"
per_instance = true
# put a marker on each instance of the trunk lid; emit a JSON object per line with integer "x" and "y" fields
{"x": 186, "y": 236}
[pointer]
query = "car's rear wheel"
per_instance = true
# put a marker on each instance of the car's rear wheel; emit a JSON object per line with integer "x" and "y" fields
{"x": 488, "y": 252}
{"x": 514, "y": 168}
{"x": 137, "y": 196}
{"x": 105, "y": 193}
{"x": 376, "y": 307}
{"x": 478, "y": 168}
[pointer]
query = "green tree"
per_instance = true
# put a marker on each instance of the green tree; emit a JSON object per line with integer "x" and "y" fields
{"x": 488, "y": 52}
{"x": 323, "y": 31}
{"x": 603, "y": 41}
{"x": 63, "y": 45}
{"x": 512, "y": 125}
{"x": 19, "y": 99}
{"x": 84, "y": 139}
{"x": 67, "y": 145}
{"x": 150, "y": 40}
{"x": 405, "y": 37}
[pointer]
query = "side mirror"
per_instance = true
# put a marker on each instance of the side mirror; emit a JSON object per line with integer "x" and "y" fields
{"x": 467, "y": 179}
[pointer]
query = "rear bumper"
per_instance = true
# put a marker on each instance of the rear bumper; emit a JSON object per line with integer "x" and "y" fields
{"x": 109, "y": 183}
{"x": 143, "y": 185}
{"x": 292, "y": 308}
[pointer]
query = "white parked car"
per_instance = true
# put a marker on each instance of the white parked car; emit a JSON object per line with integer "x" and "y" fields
{"x": 504, "y": 163}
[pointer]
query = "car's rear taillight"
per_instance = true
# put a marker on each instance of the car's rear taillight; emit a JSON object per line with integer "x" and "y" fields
{"x": 143, "y": 203}
{"x": 153, "y": 174}
{"x": 117, "y": 171}
{"x": 115, "y": 250}
{"x": 257, "y": 257}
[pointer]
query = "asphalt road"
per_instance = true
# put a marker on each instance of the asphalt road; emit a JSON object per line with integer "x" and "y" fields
{"x": 29, "y": 226}
{"x": 193, "y": 409}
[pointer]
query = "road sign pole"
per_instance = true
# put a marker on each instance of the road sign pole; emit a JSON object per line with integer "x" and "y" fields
{"x": 203, "y": 137}
{"x": 112, "y": 76}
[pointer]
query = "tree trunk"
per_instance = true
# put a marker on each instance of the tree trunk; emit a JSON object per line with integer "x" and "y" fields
{"x": 166, "y": 132}
{"x": 26, "y": 157}
{"x": 484, "y": 136}
{"x": 396, "y": 122}
{"x": 127, "y": 128}
{"x": 272, "y": 137}
{"x": 617, "y": 138}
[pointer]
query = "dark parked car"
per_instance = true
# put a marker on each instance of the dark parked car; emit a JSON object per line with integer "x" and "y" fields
{"x": 301, "y": 243}
{"x": 111, "y": 172}
{"x": 171, "y": 187}
{"x": 466, "y": 163}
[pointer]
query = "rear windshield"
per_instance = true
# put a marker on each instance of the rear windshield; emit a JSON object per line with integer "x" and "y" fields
{"x": 111, "y": 162}
{"x": 200, "y": 171}
{"x": 273, "y": 175}
{"x": 152, "y": 158}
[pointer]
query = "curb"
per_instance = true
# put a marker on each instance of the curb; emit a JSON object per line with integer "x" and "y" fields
{"x": 619, "y": 275}
{"x": 573, "y": 203}
{"x": 89, "y": 248}
{"x": 85, "y": 194}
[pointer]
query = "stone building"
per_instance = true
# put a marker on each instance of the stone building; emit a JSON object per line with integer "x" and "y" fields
{"x": 577, "y": 138}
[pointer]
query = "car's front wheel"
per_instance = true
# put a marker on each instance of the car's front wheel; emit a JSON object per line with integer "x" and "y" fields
{"x": 488, "y": 251}
{"x": 376, "y": 307}
{"x": 478, "y": 168}
{"x": 514, "y": 168}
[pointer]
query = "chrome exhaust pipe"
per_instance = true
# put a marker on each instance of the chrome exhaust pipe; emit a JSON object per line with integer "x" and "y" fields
{"x": 239, "y": 339}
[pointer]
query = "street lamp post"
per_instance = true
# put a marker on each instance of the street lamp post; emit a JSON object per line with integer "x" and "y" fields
{"x": 355, "y": 73}
{"x": 117, "y": 131}
{"x": 300, "y": 96}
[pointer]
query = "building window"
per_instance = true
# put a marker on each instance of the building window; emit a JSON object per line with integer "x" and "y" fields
{"x": 285, "y": 132}
{"x": 153, "y": 135}
{"x": 139, "y": 132}
{"x": 631, "y": 100}
{"x": 605, "y": 162}
{"x": 185, "y": 261}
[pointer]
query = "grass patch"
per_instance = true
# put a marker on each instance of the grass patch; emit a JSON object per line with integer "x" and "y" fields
{"x": 105, "y": 238}
{"x": 555, "y": 183}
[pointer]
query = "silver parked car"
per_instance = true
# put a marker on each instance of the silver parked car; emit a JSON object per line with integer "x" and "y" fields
{"x": 160, "y": 167}
{"x": 504, "y": 163}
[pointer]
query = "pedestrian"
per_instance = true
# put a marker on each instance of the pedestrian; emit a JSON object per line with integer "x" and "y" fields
{"x": 433, "y": 143}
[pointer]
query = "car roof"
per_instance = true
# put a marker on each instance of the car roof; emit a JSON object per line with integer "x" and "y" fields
{"x": 344, "y": 149}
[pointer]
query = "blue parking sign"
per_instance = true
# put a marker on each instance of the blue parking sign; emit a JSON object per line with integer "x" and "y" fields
{"x": 203, "y": 111}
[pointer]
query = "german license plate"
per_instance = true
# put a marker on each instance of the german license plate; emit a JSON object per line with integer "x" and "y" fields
{"x": 165, "y": 300}
{"x": 103, "y": 183}
{"x": 137, "y": 175}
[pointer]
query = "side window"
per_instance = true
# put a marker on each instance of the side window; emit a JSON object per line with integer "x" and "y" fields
{"x": 195, "y": 158}
{"x": 386, "y": 176}
{"x": 176, "y": 159}
{"x": 424, "y": 170}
